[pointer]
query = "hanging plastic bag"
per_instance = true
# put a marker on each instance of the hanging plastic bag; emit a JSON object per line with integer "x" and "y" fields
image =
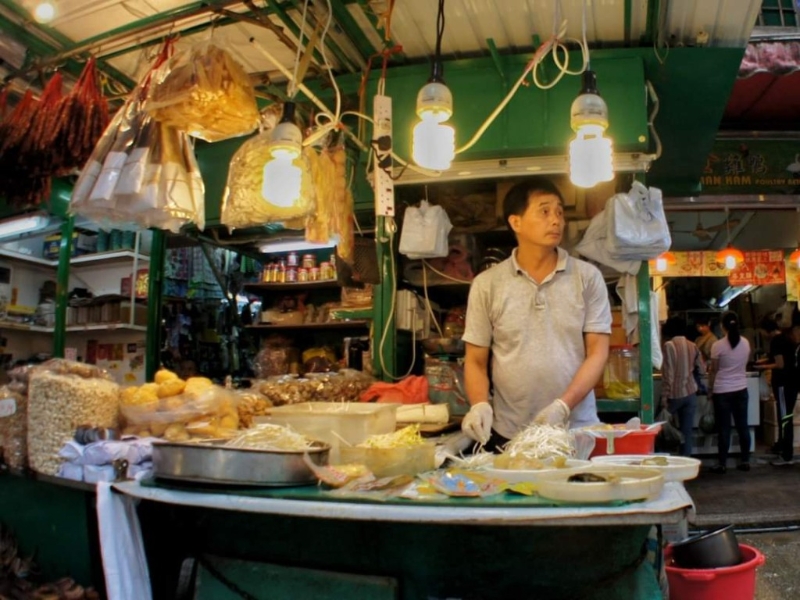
{"x": 244, "y": 203}
{"x": 411, "y": 390}
{"x": 205, "y": 93}
{"x": 425, "y": 231}
{"x": 593, "y": 247}
{"x": 637, "y": 225}
{"x": 670, "y": 438}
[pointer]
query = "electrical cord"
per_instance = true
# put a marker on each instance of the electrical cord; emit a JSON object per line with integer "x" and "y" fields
{"x": 292, "y": 89}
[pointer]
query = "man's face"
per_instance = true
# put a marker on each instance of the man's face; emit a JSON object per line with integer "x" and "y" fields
{"x": 702, "y": 329}
{"x": 542, "y": 223}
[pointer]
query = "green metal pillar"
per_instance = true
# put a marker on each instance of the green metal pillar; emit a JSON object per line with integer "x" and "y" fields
{"x": 384, "y": 335}
{"x": 646, "y": 410}
{"x": 155, "y": 288}
{"x": 62, "y": 287}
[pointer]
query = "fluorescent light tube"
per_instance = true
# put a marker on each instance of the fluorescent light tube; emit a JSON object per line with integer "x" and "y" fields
{"x": 295, "y": 245}
{"x": 19, "y": 225}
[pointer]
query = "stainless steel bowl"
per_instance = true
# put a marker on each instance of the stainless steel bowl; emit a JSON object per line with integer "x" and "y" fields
{"x": 212, "y": 462}
{"x": 453, "y": 346}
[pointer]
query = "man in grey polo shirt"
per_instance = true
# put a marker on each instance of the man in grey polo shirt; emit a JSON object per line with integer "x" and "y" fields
{"x": 545, "y": 320}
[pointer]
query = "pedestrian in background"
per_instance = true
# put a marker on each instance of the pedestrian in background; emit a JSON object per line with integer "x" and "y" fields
{"x": 706, "y": 339}
{"x": 678, "y": 385}
{"x": 781, "y": 362}
{"x": 727, "y": 389}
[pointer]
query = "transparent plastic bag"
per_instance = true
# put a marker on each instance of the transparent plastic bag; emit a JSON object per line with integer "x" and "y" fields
{"x": 201, "y": 410}
{"x": 63, "y": 394}
{"x": 205, "y": 93}
{"x": 425, "y": 231}
{"x": 637, "y": 225}
{"x": 244, "y": 203}
{"x": 13, "y": 428}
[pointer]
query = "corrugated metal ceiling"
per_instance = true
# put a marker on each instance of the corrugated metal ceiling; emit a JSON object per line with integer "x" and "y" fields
{"x": 360, "y": 26}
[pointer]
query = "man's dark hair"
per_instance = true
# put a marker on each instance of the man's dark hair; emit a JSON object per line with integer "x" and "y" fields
{"x": 702, "y": 320}
{"x": 673, "y": 327}
{"x": 516, "y": 200}
{"x": 768, "y": 324}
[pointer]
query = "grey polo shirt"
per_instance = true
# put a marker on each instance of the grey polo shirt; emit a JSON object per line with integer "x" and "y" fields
{"x": 535, "y": 332}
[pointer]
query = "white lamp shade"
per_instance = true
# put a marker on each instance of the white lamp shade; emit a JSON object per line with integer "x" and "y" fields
{"x": 434, "y": 144}
{"x": 590, "y": 157}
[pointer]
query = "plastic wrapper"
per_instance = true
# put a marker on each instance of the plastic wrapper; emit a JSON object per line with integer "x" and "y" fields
{"x": 344, "y": 386}
{"x": 13, "y": 428}
{"x": 251, "y": 404}
{"x": 357, "y": 297}
{"x": 141, "y": 174}
{"x": 63, "y": 395}
{"x": 19, "y": 377}
{"x": 179, "y": 410}
{"x": 205, "y": 93}
{"x": 333, "y": 217}
{"x": 244, "y": 203}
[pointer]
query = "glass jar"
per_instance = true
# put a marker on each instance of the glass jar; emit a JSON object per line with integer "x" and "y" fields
{"x": 309, "y": 261}
{"x": 293, "y": 260}
{"x": 621, "y": 376}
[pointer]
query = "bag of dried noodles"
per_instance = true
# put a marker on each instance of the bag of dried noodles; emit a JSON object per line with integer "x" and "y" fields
{"x": 204, "y": 92}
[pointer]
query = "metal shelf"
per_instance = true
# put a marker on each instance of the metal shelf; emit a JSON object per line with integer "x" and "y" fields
{"x": 285, "y": 287}
{"x": 113, "y": 256}
{"x": 106, "y": 327}
{"x": 11, "y": 326}
{"x": 354, "y": 324}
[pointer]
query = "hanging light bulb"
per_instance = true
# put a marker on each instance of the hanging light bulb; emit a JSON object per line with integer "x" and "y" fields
{"x": 665, "y": 259}
{"x": 434, "y": 143}
{"x": 45, "y": 11}
{"x": 730, "y": 257}
{"x": 282, "y": 177}
{"x": 590, "y": 152}
{"x": 434, "y": 140}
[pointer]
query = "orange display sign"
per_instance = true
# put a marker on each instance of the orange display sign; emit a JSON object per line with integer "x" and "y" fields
{"x": 760, "y": 267}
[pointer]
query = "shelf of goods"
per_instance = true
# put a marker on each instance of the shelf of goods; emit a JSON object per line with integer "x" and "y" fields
{"x": 30, "y": 268}
{"x": 359, "y": 323}
{"x": 296, "y": 287}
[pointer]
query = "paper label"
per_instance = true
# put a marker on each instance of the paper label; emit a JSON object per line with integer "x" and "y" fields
{"x": 8, "y": 406}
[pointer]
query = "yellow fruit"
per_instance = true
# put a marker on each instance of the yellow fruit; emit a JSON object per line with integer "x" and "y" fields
{"x": 202, "y": 427}
{"x": 176, "y": 433}
{"x": 163, "y": 375}
{"x": 229, "y": 422}
{"x": 171, "y": 387}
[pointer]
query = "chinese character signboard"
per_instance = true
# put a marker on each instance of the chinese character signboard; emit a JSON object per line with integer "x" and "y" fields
{"x": 753, "y": 167}
{"x": 762, "y": 267}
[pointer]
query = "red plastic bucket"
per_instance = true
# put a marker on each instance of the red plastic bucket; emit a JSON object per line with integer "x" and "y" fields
{"x": 635, "y": 442}
{"x": 726, "y": 583}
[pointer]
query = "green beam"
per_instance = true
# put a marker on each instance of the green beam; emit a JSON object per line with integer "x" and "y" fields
{"x": 647, "y": 409}
{"x": 628, "y": 21}
{"x": 62, "y": 287}
{"x": 651, "y": 24}
{"x": 42, "y": 48}
{"x": 155, "y": 289}
{"x": 352, "y": 29}
{"x": 293, "y": 27}
{"x": 398, "y": 57}
{"x": 384, "y": 355}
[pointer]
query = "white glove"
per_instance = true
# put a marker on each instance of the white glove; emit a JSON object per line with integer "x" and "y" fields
{"x": 556, "y": 413}
{"x": 477, "y": 423}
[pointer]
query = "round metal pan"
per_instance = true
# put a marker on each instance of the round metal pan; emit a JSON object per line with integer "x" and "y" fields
{"x": 212, "y": 462}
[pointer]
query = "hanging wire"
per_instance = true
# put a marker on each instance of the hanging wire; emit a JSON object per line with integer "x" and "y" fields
{"x": 292, "y": 90}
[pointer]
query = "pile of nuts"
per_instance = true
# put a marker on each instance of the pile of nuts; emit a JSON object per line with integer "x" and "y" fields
{"x": 344, "y": 386}
{"x": 58, "y": 404}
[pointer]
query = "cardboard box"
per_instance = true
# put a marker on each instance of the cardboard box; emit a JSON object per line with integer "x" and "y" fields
{"x": 139, "y": 314}
{"x": 770, "y": 432}
{"x": 142, "y": 283}
{"x": 82, "y": 243}
{"x": 769, "y": 412}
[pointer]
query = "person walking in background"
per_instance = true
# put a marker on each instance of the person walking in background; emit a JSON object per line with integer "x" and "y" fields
{"x": 706, "y": 338}
{"x": 785, "y": 449}
{"x": 781, "y": 361}
{"x": 678, "y": 385}
{"x": 727, "y": 389}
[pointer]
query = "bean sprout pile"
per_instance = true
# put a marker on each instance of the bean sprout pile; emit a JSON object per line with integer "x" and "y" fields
{"x": 267, "y": 436}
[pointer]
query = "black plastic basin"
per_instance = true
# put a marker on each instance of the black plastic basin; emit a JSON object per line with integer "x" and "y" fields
{"x": 711, "y": 550}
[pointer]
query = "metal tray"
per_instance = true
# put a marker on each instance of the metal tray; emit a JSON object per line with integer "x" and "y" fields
{"x": 211, "y": 462}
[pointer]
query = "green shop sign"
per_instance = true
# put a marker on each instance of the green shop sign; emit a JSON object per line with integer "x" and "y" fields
{"x": 753, "y": 166}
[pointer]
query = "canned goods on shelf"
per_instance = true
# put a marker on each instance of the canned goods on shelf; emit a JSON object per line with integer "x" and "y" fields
{"x": 291, "y": 275}
{"x": 326, "y": 271}
{"x": 292, "y": 260}
{"x": 313, "y": 274}
{"x": 302, "y": 275}
{"x": 309, "y": 261}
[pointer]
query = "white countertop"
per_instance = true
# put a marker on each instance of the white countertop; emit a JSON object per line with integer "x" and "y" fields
{"x": 673, "y": 505}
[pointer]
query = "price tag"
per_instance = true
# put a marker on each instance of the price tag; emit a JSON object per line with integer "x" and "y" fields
{"x": 8, "y": 406}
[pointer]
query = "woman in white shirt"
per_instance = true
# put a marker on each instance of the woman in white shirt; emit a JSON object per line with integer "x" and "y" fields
{"x": 727, "y": 384}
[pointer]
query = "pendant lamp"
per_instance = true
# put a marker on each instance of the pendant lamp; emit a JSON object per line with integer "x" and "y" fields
{"x": 45, "y": 11}
{"x": 282, "y": 176}
{"x": 664, "y": 260}
{"x": 590, "y": 151}
{"x": 434, "y": 140}
{"x": 729, "y": 256}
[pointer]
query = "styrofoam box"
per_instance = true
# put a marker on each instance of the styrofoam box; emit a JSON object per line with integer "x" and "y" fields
{"x": 335, "y": 423}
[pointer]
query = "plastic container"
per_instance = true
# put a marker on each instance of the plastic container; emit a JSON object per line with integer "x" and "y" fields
{"x": 726, "y": 583}
{"x": 390, "y": 462}
{"x": 621, "y": 375}
{"x": 336, "y": 423}
{"x": 634, "y": 442}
